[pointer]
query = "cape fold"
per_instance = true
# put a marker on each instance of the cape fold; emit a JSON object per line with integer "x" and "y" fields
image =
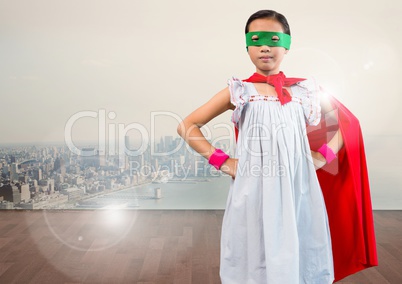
{"x": 345, "y": 186}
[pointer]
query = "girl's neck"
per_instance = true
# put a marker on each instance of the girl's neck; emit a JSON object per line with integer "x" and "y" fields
{"x": 268, "y": 73}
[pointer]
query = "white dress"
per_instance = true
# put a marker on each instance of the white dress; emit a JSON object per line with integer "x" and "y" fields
{"x": 275, "y": 228}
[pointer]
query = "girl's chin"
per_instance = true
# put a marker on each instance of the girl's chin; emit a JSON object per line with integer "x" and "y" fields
{"x": 268, "y": 67}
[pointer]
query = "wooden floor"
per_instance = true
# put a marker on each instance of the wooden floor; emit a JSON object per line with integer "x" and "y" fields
{"x": 143, "y": 247}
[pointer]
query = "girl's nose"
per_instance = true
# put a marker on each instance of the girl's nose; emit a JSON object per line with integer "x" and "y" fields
{"x": 265, "y": 48}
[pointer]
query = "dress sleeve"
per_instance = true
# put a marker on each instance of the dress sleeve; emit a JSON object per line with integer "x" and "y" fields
{"x": 309, "y": 93}
{"x": 238, "y": 97}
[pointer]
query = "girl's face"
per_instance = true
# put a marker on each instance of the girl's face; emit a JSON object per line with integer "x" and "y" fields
{"x": 267, "y": 60}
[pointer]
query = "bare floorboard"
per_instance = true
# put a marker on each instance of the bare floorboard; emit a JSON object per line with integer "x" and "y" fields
{"x": 144, "y": 247}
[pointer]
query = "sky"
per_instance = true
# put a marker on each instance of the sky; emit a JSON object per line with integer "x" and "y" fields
{"x": 138, "y": 59}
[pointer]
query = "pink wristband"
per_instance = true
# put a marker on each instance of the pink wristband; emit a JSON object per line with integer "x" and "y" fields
{"x": 327, "y": 152}
{"x": 218, "y": 158}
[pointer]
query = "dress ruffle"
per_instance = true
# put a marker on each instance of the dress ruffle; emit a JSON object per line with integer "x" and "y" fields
{"x": 238, "y": 97}
{"x": 306, "y": 92}
{"x": 309, "y": 92}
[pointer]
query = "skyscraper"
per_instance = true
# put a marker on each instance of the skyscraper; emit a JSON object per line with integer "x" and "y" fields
{"x": 14, "y": 172}
{"x": 59, "y": 166}
{"x": 168, "y": 143}
{"x": 10, "y": 193}
{"x": 37, "y": 174}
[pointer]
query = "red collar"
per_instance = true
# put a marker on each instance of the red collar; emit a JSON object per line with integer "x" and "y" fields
{"x": 278, "y": 81}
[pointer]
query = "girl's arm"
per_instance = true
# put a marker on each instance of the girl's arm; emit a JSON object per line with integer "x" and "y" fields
{"x": 189, "y": 128}
{"x": 336, "y": 143}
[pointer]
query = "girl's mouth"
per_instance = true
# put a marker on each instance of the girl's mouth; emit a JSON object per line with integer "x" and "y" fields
{"x": 266, "y": 58}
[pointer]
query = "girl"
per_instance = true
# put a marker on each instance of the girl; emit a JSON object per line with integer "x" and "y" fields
{"x": 275, "y": 228}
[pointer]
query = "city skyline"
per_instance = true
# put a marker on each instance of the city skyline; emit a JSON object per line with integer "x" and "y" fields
{"x": 384, "y": 169}
{"x": 54, "y": 177}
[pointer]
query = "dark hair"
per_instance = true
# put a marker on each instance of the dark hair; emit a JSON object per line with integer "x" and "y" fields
{"x": 269, "y": 14}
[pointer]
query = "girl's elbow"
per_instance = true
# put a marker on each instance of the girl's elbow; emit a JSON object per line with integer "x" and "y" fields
{"x": 181, "y": 129}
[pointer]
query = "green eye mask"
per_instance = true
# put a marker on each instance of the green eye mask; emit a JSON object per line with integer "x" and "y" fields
{"x": 268, "y": 38}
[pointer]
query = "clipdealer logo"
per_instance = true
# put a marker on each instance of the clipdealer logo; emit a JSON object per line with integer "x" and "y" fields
{"x": 111, "y": 136}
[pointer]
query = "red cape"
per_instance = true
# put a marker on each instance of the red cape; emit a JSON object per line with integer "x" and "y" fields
{"x": 345, "y": 186}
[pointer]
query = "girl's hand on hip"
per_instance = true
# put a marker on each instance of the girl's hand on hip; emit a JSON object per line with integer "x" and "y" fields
{"x": 230, "y": 167}
{"x": 318, "y": 160}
